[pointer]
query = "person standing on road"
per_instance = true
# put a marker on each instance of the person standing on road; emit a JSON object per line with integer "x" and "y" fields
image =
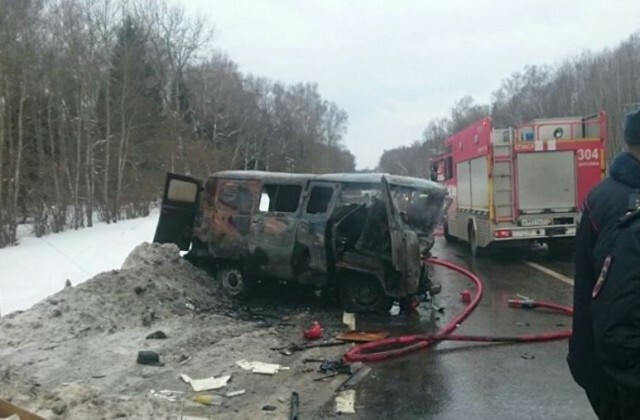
{"x": 595, "y": 239}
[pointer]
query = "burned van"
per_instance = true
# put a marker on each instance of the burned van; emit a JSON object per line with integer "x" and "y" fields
{"x": 366, "y": 235}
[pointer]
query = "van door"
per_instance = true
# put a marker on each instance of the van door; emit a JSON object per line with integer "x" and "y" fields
{"x": 228, "y": 210}
{"x": 405, "y": 246}
{"x": 180, "y": 203}
{"x": 273, "y": 229}
{"x": 312, "y": 229}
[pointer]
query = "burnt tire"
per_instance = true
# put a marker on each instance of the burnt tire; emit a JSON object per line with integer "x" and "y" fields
{"x": 234, "y": 282}
{"x": 363, "y": 293}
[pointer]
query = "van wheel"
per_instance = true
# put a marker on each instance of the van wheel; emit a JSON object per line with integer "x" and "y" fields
{"x": 233, "y": 281}
{"x": 362, "y": 293}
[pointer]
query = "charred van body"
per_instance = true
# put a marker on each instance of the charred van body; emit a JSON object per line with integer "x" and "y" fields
{"x": 365, "y": 234}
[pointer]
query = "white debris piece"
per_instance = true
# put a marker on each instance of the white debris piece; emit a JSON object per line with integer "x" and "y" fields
{"x": 234, "y": 393}
{"x": 349, "y": 319}
{"x": 206, "y": 384}
{"x": 260, "y": 367}
{"x": 164, "y": 394}
{"x": 345, "y": 402}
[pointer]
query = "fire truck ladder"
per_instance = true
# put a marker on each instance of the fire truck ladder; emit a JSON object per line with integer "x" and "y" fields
{"x": 504, "y": 201}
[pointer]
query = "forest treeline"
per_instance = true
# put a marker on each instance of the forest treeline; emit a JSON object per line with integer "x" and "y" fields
{"x": 100, "y": 98}
{"x": 583, "y": 85}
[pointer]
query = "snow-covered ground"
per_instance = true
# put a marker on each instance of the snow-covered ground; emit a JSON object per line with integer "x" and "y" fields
{"x": 39, "y": 267}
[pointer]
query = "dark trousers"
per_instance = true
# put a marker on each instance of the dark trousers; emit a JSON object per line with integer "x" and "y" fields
{"x": 604, "y": 404}
{"x": 619, "y": 403}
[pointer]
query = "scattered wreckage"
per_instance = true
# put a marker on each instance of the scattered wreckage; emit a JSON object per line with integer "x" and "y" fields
{"x": 363, "y": 234}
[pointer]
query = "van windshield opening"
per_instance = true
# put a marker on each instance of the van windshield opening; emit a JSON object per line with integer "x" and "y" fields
{"x": 420, "y": 210}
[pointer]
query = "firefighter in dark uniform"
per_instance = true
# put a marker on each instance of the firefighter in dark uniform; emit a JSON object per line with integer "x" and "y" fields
{"x": 595, "y": 240}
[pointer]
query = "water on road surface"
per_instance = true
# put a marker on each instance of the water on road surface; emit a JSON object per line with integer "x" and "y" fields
{"x": 455, "y": 380}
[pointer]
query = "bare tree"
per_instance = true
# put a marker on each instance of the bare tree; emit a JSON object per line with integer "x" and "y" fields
{"x": 99, "y": 98}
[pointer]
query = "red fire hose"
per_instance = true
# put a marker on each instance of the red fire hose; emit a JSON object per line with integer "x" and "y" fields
{"x": 400, "y": 346}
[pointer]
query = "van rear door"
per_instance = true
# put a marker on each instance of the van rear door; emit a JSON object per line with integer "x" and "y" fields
{"x": 179, "y": 206}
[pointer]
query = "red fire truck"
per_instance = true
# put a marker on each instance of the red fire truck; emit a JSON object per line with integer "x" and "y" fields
{"x": 515, "y": 186}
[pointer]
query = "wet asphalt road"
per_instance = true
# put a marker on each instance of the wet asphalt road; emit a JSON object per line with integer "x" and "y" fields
{"x": 480, "y": 381}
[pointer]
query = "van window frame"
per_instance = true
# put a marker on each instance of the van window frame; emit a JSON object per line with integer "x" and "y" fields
{"x": 326, "y": 205}
{"x": 278, "y": 185}
{"x": 234, "y": 205}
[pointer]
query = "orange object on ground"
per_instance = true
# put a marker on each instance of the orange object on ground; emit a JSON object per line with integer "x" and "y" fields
{"x": 362, "y": 336}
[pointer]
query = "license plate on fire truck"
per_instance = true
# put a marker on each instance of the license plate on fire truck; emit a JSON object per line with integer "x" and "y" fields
{"x": 536, "y": 222}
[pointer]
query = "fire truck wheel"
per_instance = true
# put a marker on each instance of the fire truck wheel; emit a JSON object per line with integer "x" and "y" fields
{"x": 363, "y": 293}
{"x": 474, "y": 248}
{"x": 234, "y": 282}
{"x": 561, "y": 250}
{"x": 447, "y": 236}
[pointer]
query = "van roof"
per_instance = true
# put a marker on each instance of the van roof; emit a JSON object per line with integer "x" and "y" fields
{"x": 355, "y": 178}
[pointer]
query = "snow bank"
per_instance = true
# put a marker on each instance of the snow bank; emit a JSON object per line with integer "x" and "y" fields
{"x": 39, "y": 267}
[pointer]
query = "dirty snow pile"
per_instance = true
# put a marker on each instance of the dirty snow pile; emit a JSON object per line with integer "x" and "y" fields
{"x": 73, "y": 355}
{"x": 39, "y": 267}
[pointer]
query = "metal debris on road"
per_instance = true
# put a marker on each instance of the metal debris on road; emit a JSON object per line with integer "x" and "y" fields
{"x": 158, "y": 335}
{"x": 206, "y": 384}
{"x": 349, "y": 319}
{"x": 330, "y": 375}
{"x": 260, "y": 367}
{"x": 345, "y": 402}
{"x": 313, "y": 360}
{"x": 334, "y": 365}
{"x": 359, "y": 373}
{"x": 295, "y": 406}
{"x": 269, "y": 408}
{"x": 528, "y": 356}
{"x": 362, "y": 336}
{"x": 289, "y": 350}
{"x": 235, "y": 393}
{"x": 164, "y": 394}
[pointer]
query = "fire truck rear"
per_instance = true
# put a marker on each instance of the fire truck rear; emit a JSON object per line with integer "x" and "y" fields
{"x": 514, "y": 186}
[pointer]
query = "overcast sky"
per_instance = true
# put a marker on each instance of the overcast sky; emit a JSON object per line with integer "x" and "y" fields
{"x": 394, "y": 65}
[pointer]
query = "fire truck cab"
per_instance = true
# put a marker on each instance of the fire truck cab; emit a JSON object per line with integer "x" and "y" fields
{"x": 515, "y": 186}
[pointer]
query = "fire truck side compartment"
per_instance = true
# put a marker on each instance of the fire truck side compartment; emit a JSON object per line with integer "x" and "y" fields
{"x": 546, "y": 182}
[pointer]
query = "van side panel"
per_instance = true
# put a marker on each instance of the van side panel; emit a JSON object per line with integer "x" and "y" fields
{"x": 227, "y": 210}
{"x": 274, "y": 226}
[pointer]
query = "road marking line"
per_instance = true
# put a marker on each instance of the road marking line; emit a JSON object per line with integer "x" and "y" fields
{"x": 550, "y": 272}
